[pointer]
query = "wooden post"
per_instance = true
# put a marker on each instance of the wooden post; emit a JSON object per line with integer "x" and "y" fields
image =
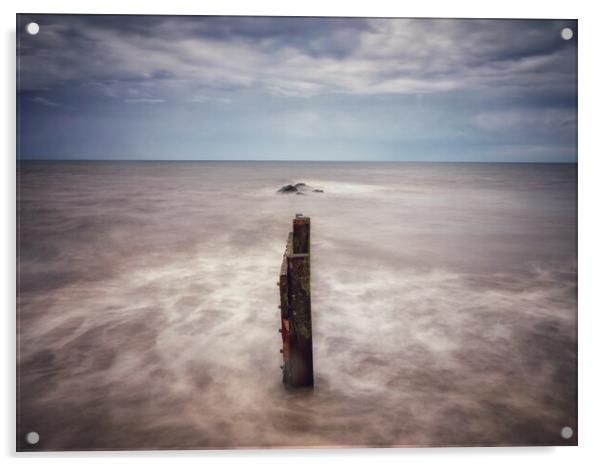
{"x": 284, "y": 312}
{"x": 301, "y": 235}
{"x": 295, "y": 306}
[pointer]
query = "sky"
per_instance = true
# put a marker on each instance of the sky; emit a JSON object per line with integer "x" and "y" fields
{"x": 269, "y": 88}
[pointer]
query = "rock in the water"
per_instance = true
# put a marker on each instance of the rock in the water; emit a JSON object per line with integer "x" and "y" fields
{"x": 299, "y": 188}
{"x": 289, "y": 188}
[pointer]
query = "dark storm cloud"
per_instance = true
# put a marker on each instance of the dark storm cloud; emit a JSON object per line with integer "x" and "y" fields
{"x": 508, "y": 74}
{"x": 299, "y": 55}
{"x": 212, "y": 51}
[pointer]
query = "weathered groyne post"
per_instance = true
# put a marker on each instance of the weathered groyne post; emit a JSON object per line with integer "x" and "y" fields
{"x": 295, "y": 307}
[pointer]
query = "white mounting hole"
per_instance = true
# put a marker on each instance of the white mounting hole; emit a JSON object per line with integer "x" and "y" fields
{"x": 566, "y": 33}
{"x": 32, "y": 28}
{"x": 566, "y": 432}
{"x": 32, "y": 438}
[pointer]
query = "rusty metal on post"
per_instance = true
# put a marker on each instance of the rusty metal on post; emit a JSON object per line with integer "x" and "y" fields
{"x": 295, "y": 307}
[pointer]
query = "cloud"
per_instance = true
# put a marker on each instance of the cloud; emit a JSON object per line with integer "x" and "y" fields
{"x": 297, "y": 88}
{"x": 527, "y": 118}
{"x": 144, "y": 101}
{"x": 203, "y": 99}
{"x": 44, "y": 101}
{"x": 296, "y": 56}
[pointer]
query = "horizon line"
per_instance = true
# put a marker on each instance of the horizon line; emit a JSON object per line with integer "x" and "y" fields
{"x": 25, "y": 159}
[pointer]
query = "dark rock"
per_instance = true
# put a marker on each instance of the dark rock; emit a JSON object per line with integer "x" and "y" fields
{"x": 289, "y": 188}
{"x": 299, "y": 188}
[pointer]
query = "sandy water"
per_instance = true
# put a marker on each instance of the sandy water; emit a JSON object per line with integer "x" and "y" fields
{"x": 444, "y": 304}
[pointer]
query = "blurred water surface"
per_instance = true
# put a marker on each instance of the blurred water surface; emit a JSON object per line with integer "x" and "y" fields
{"x": 444, "y": 304}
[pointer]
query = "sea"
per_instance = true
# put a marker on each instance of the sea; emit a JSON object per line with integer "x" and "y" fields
{"x": 444, "y": 304}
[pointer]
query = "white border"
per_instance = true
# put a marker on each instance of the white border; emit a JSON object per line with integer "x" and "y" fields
{"x": 590, "y": 231}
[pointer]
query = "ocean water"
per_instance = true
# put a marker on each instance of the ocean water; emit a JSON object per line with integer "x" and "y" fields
{"x": 444, "y": 300}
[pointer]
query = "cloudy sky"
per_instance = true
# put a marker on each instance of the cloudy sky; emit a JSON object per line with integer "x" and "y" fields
{"x": 240, "y": 88}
